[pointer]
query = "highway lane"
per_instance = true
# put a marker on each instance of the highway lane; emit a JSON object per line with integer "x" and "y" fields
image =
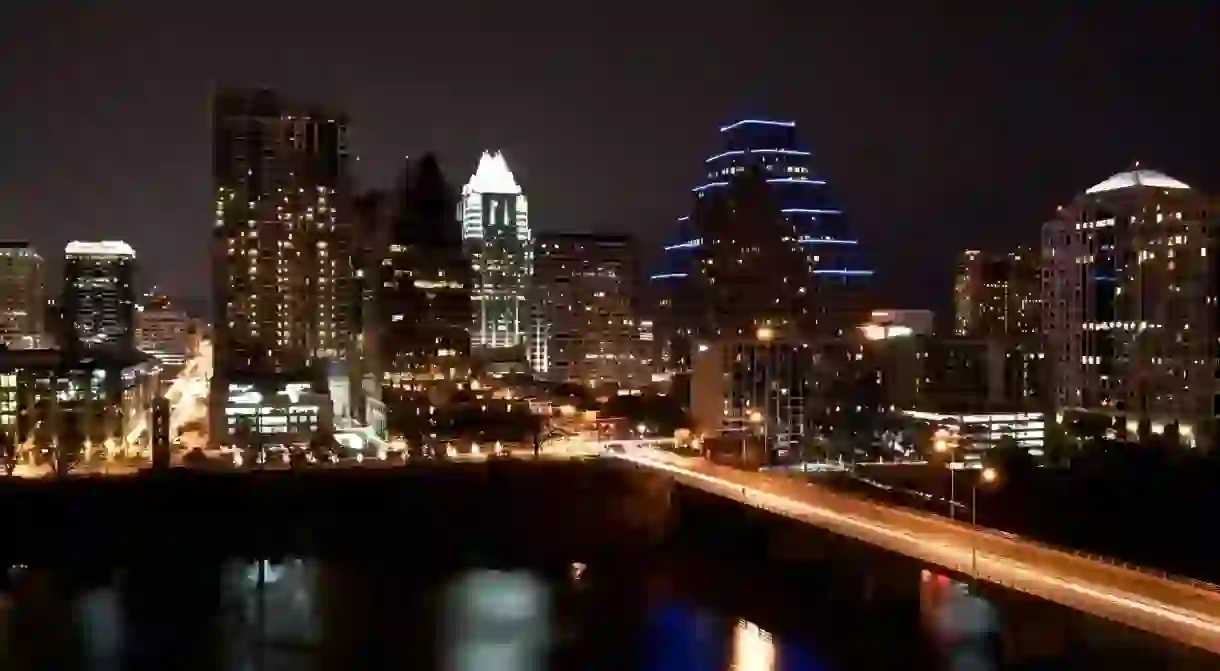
{"x": 1171, "y": 608}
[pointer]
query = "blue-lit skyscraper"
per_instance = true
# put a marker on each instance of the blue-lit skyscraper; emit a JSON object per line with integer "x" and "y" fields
{"x": 765, "y": 243}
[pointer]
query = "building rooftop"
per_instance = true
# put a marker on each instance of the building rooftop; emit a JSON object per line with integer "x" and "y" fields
{"x": 493, "y": 176}
{"x": 100, "y": 248}
{"x": 1137, "y": 177}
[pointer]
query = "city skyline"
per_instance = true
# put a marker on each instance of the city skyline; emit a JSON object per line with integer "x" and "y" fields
{"x": 929, "y": 150}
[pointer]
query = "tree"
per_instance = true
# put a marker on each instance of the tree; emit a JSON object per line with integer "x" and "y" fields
{"x": 248, "y": 440}
{"x": 322, "y": 443}
{"x": 1059, "y": 448}
{"x": 10, "y": 449}
{"x": 1011, "y": 459}
{"x": 69, "y": 444}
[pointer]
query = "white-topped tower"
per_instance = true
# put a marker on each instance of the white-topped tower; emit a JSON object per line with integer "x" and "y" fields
{"x": 1130, "y": 303}
{"x": 99, "y": 301}
{"x": 497, "y": 239}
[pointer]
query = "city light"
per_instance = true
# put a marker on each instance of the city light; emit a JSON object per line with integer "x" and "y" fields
{"x": 765, "y": 333}
{"x": 753, "y": 648}
{"x": 880, "y": 332}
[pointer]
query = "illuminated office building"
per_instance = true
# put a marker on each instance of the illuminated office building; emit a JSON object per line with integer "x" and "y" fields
{"x": 99, "y": 297}
{"x": 22, "y": 297}
{"x": 280, "y": 242}
{"x": 765, "y": 244}
{"x": 164, "y": 331}
{"x": 998, "y": 294}
{"x": 283, "y": 286}
{"x": 496, "y": 235}
{"x": 424, "y": 306}
{"x": 759, "y": 387}
{"x": 585, "y": 326}
{"x": 1130, "y": 290}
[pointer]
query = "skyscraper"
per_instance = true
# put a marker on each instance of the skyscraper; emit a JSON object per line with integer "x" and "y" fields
{"x": 99, "y": 296}
{"x": 425, "y": 302}
{"x": 22, "y": 299}
{"x": 1130, "y": 291}
{"x": 498, "y": 241}
{"x": 164, "y": 331}
{"x": 998, "y": 294}
{"x": 283, "y": 285}
{"x": 765, "y": 244}
{"x": 584, "y": 296}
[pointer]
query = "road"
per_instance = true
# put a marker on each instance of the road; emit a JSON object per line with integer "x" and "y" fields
{"x": 1177, "y": 609}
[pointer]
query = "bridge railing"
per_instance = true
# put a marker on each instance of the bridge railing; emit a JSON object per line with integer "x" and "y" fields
{"x": 1104, "y": 559}
{"x": 1100, "y": 558}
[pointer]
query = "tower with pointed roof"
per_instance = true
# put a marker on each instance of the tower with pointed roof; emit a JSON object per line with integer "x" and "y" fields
{"x": 497, "y": 238}
{"x": 765, "y": 243}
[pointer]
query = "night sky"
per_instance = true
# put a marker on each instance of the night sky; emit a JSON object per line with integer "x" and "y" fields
{"x": 941, "y": 127}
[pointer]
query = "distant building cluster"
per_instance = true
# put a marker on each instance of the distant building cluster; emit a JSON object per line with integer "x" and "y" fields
{"x": 428, "y": 309}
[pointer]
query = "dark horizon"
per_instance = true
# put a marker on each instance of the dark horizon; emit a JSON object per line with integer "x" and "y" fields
{"x": 937, "y": 131}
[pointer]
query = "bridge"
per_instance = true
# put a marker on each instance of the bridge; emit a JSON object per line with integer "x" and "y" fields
{"x": 1176, "y": 608}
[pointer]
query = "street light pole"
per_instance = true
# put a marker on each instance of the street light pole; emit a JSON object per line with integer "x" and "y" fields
{"x": 987, "y": 475}
{"x": 974, "y": 521}
{"x": 952, "y": 485}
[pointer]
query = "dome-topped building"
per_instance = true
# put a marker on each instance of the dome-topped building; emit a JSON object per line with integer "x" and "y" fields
{"x": 1137, "y": 177}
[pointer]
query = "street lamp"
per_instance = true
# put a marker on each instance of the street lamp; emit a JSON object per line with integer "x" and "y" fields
{"x": 756, "y": 417}
{"x": 943, "y": 446}
{"x": 986, "y": 476}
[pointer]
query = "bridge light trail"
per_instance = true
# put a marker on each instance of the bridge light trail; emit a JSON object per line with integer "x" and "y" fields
{"x": 1164, "y": 606}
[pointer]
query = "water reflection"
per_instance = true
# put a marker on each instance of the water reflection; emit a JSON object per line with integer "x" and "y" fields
{"x": 100, "y": 616}
{"x": 304, "y": 614}
{"x": 496, "y": 621}
{"x": 269, "y": 612}
{"x": 753, "y": 648}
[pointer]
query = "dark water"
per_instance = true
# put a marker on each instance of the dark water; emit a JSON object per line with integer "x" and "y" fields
{"x": 307, "y": 614}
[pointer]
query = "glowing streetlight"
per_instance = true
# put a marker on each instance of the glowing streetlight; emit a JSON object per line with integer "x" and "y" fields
{"x": 765, "y": 333}
{"x": 756, "y": 417}
{"x": 942, "y": 445}
{"x": 986, "y": 476}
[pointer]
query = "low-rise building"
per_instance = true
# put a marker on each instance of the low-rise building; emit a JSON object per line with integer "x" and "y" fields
{"x": 277, "y": 411}
{"x": 102, "y": 398}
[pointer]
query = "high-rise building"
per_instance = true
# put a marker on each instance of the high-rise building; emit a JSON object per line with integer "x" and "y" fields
{"x": 498, "y": 241}
{"x": 22, "y": 300}
{"x": 998, "y": 294}
{"x": 1130, "y": 291}
{"x": 765, "y": 244}
{"x": 163, "y": 331}
{"x": 283, "y": 285}
{"x": 586, "y": 329}
{"x": 99, "y": 296}
{"x": 425, "y": 298}
{"x": 756, "y": 385}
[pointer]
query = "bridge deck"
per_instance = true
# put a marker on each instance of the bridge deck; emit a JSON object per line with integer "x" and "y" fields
{"x": 1174, "y": 608}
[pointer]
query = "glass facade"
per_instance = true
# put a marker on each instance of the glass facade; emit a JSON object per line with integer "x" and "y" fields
{"x": 764, "y": 244}
{"x": 803, "y": 195}
{"x": 497, "y": 238}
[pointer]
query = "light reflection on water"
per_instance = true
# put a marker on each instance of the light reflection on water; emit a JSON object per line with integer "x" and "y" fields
{"x": 266, "y": 616}
{"x": 753, "y": 648}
